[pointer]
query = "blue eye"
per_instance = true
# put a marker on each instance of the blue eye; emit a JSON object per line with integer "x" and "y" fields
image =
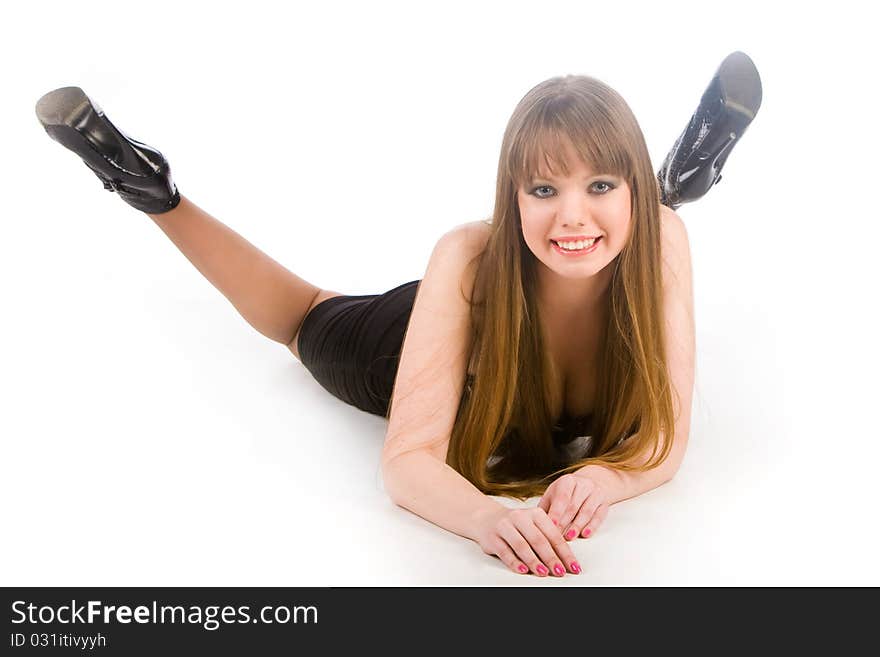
{"x": 598, "y": 182}
{"x": 536, "y": 189}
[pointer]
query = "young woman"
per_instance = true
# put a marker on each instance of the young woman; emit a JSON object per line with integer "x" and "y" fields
{"x": 548, "y": 351}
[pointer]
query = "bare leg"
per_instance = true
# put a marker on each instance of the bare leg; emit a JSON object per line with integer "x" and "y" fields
{"x": 271, "y": 299}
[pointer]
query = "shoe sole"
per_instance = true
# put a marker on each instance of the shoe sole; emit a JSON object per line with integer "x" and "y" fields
{"x": 740, "y": 85}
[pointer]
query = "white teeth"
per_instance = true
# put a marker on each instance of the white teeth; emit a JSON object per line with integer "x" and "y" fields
{"x": 576, "y": 246}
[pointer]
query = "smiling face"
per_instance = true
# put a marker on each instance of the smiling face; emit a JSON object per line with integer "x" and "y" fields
{"x": 582, "y": 203}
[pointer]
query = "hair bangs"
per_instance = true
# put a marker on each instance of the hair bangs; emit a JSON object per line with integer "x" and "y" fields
{"x": 561, "y": 125}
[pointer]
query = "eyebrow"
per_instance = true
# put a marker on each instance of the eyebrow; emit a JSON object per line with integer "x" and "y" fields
{"x": 539, "y": 176}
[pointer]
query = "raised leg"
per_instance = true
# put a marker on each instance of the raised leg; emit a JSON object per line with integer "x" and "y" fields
{"x": 270, "y": 298}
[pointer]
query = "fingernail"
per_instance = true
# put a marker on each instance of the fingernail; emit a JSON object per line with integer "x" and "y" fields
{"x": 559, "y": 570}
{"x": 586, "y": 532}
{"x": 523, "y": 568}
{"x": 570, "y": 535}
{"x": 542, "y": 570}
{"x": 554, "y": 521}
{"x": 575, "y": 567}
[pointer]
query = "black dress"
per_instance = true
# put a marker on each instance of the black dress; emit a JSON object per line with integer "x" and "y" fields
{"x": 351, "y": 345}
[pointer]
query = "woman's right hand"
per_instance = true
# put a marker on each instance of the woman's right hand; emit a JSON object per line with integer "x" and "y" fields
{"x": 526, "y": 540}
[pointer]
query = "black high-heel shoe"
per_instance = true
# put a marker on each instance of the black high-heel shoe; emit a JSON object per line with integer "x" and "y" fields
{"x": 726, "y": 108}
{"x": 135, "y": 171}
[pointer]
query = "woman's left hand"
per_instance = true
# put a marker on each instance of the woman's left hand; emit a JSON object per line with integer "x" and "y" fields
{"x": 576, "y": 503}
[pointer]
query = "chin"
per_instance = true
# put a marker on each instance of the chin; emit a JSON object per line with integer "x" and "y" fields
{"x": 578, "y": 276}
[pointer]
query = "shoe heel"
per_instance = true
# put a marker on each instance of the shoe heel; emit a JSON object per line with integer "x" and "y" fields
{"x": 740, "y": 85}
{"x": 63, "y": 107}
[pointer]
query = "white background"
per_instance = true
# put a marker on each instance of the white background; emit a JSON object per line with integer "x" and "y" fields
{"x": 151, "y": 437}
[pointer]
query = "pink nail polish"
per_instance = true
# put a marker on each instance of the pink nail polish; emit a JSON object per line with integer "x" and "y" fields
{"x": 542, "y": 570}
{"x": 586, "y": 532}
{"x": 559, "y": 570}
{"x": 522, "y": 568}
{"x": 575, "y": 567}
{"x": 570, "y": 535}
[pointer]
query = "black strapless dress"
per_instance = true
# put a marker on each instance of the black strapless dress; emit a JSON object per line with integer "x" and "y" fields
{"x": 569, "y": 428}
{"x": 351, "y": 345}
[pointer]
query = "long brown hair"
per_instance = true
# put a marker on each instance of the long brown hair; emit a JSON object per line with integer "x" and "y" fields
{"x": 505, "y": 409}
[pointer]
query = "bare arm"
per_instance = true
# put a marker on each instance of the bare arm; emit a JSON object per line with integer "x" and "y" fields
{"x": 619, "y": 485}
{"x": 423, "y": 484}
{"x": 428, "y": 388}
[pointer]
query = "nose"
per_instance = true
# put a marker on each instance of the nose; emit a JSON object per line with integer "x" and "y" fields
{"x": 574, "y": 209}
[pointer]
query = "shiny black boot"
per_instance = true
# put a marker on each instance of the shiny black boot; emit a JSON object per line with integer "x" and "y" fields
{"x": 135, "y": 171}
{"x": 726, "y": 109}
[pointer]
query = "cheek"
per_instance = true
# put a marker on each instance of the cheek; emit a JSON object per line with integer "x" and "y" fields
{"x": 533, "y": 233}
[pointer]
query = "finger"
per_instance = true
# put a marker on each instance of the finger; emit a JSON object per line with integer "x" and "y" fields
{"x": 522, "y": 549}
{"x": 596, "y": 521}
{"x": 509, "y": 558}
{"x": 551, "y": 547}
{"x": 542, "y": 546}
{"x": 583, "y": 517}
{"x": 561, "y": 496}
{"x": 579, "y": 496}
{"x": 544, "y": 502}
{"x": 547, "y": 501}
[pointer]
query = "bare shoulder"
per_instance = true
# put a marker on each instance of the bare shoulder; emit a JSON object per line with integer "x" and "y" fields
{"x": 668, "y": 215}
{"x": 674, "y": 237}
{"x": 466, "y": 243}
{"x": 472, "y": 236}
{"x": 675, "y": 254}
